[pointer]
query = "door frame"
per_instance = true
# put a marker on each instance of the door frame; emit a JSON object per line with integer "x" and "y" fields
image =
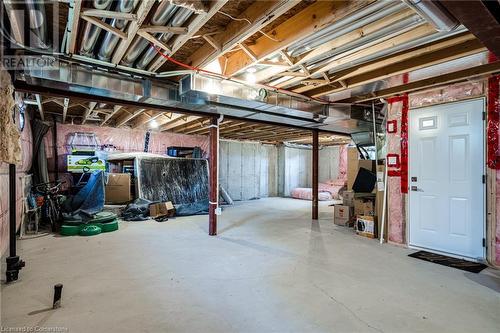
{"x": 484, "y": 191}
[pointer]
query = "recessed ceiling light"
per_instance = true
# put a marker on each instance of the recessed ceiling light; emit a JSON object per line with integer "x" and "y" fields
{"x": 251, "y": 70}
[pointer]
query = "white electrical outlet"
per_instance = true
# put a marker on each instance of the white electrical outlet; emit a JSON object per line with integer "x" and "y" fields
{"x": 218, "y": 211}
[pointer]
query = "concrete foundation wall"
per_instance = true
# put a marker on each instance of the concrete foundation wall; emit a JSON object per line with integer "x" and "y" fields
{"x": 248, "y": 170}
{"x": 295, "y": 167}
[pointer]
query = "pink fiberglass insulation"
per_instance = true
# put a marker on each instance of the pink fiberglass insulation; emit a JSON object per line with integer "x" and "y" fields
{"x": 125, "y": 140}
{"x": 396, "y": 217}
{"x": 342, "y": 162}
{"x": 26, "y": 149}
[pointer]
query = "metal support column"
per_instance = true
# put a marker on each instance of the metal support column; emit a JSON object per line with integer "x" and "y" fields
{"x": 14, "y": 263}
{"x": 315, "y": 173}
{"x": 213, "y": 177}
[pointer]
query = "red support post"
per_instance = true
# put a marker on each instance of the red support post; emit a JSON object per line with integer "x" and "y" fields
{"x": 315, "y": 173}
{"x": 213, "y": 176}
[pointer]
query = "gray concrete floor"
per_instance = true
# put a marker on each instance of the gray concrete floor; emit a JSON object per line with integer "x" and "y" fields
{"x": 270, "y": 269}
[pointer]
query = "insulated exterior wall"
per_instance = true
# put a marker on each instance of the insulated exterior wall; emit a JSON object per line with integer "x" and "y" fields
{"x": 21, "y": 172}
{"x": 396, "y": 199}
{"x": 247, "y": 170}
{"x": 125, "y": 140}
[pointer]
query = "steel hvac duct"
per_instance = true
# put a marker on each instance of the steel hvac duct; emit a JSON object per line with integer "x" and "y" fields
{"x": 37, "y": 19}
{"x": 110, "y": 40}
{"x": 91, "y": 32}
{"x": 162, "y": 15}
{"x": 181, "y": 16}
{"x": 434, "y": 13}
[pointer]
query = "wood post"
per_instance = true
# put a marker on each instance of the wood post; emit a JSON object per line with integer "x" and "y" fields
{"x": 213, "y": 176}
{"x": 315, "y": 173}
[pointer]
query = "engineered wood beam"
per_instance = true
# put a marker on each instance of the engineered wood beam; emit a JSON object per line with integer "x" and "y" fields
{"x": 365, "y": 75}
{"x": 164, "y": 29}
{"x": 330, "y": 46}
{"x": 397, "y": 39}
{"x": 105, "y": 26}
{"x": 154, "y": 40}
{"x": 454, "y": 77}
{"x": 74, "y": 19}
{"x": 91, "y": 12}
{"x": 260, "y": 14}
{"x": 313, "y": 18}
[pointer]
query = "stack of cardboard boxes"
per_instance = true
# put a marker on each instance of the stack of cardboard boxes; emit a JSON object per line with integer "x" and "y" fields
{"x": 360, "y": 210}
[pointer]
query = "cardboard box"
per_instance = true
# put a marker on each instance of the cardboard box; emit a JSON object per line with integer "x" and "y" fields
{"x": 342, "y": 215}
{"x": 348, "y": 198}
{"x": 364, "y": 207}
{"x": 366, "y": 226}
{"x": 117, "y": 188}
{"x": 161, "y": 209}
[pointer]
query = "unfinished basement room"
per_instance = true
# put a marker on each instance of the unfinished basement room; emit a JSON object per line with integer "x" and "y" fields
{"x": 250, "y": 166}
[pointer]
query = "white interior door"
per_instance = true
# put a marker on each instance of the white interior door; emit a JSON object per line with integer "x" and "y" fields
{"x": 446, "y": 156}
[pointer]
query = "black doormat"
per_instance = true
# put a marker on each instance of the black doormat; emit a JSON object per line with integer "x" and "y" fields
{"x": 464, "y": 265}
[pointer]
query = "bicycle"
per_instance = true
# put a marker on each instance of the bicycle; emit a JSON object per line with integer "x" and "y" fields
{"x": 50, "y": 203}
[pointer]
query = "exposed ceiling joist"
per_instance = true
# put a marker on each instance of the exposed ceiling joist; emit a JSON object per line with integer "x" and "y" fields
{"x": 164, "y": 29}
{"x": 365, "y": 75}
{"x": 260, "y": 14}
{"x": 142, "y": 12}
{"x": 109, "y": 14}
{"x": 196, "y": 24}
{"x": 126, "y": 118}
{"x": 86, "y": 114}
{"x": 65, "y": 110}
{"x": 116, "y": 109}
{"x": 454, "y": 77}
{"x": 313, "y": 18}
{"x": 40, "y": 107}
{"x": 15, "y": 21}
{"x": 154, "y": 40}
{"x": 74, "y": 19}
{"x": 330, "y": 46}
{"x": 399, "y": 39}
{"x": 176, "y": 119}
{"x": 103, "y": 25}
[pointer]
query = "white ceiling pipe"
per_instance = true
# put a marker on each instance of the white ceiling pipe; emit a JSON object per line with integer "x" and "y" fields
{"x": 434, "y": 13}
{"x": 91, "y": 32}
{"x": 182, "y": 15}
{"x": 110, "y": 40}
{"x": 163, "y": 14}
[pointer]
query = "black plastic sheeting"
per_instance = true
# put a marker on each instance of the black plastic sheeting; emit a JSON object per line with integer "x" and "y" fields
{"x": 182, "y": 181}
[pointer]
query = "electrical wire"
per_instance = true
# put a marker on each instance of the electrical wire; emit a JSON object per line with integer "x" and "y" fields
{"x": 249, "y": 22}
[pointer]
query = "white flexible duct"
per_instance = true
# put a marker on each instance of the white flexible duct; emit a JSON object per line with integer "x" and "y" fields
{"x": 181, "y": 16}
{"x": 91, "y": 32}
{"x": 110, "y": 40}
{"x": 162, "y": 15}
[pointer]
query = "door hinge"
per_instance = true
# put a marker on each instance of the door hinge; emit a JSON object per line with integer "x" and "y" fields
{"x": 484, "y": 115}
{"x": 484, "y": 179}
{"x": 484, "y": 242}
